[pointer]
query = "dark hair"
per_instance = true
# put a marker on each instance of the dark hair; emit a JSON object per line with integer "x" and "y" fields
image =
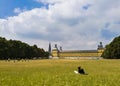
{"x": 79, "y": 67}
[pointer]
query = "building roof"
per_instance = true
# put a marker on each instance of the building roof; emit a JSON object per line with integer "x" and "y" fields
{"x": 79, "y": 51}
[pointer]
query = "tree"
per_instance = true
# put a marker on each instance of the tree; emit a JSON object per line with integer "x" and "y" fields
{"x": 15, "y": 49}
{"x": 112, "y": 50}
{"x": 3, "y": 48}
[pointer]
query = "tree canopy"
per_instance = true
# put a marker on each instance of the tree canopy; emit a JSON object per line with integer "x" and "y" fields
{"x": 112, "y": 50}
{"x": 14, "y": 49}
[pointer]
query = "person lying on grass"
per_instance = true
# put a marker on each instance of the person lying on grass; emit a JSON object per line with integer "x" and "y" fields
{"x": 80, "y": 71}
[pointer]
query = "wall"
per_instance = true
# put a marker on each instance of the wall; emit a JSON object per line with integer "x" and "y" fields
{"x": 77, "y": 54}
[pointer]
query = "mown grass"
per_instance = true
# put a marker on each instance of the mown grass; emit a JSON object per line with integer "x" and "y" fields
{"x": 60, "y": 73}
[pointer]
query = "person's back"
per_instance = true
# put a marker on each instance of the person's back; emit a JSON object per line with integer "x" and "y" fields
{"x": 81, "y": 71}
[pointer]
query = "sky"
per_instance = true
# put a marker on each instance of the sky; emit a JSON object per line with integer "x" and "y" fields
{"x": 72, "y": 24}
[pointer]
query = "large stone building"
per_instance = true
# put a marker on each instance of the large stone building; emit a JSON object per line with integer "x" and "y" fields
{"x": 77, "y": 54}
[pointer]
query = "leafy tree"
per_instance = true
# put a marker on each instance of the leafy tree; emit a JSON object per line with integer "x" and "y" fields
{"x": 3, "y": 48}
{"x": 112, "y": 50}
{"x": 15, "y": 49}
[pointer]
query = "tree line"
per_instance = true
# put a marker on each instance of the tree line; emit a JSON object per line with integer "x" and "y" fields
{"x": 112, "y": 50}
{"x": 15, "y": 49}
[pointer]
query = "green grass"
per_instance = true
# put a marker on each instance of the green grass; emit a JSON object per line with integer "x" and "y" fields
{"x": 60, "y": 73}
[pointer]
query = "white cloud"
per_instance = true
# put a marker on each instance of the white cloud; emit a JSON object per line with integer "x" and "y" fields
{"x": 66, "y": 22}
{"x": 18, "y": 10}
{"x": 50, "y": 1}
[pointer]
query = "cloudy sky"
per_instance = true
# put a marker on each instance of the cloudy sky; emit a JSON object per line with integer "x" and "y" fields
{"x": 72, "y": 24}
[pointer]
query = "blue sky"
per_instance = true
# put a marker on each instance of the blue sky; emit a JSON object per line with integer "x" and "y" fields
{"x": 7, "y": 6}
{"x": 72, "y": 24}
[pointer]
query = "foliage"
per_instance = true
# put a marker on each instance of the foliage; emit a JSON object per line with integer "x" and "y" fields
{"x": 14, "y": 49}
{"x": 112, "y": 51}
{"x": 60, "y": 73}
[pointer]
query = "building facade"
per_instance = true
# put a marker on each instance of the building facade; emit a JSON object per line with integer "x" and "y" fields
{"x": 78, "y": 54}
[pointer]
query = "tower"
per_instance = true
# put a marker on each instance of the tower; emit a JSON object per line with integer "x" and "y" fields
{"x": 100, "y": 49}
{"x": 49, "y": 50}
{"x": 100, "y": 46}
{"x": 55, "y": 52}
{"x": 60, "y": 48}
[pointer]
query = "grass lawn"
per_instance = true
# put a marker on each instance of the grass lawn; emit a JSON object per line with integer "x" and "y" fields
{"x": 60, "y": 72}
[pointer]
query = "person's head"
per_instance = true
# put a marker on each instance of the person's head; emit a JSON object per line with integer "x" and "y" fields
{"x": 79, "y": 67}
